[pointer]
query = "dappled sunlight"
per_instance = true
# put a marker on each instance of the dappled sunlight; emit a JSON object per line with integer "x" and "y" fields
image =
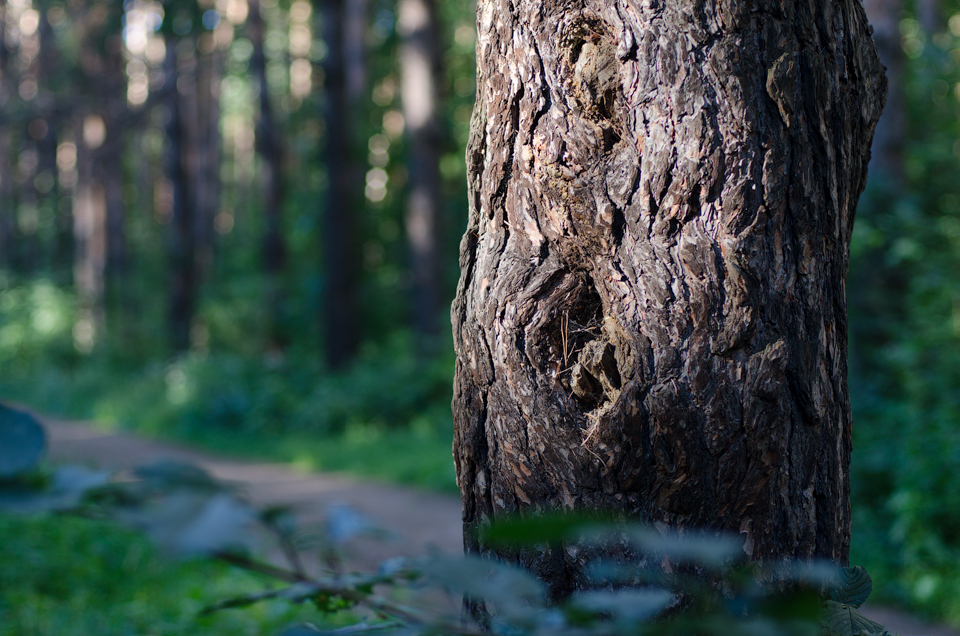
{"x": 184, "y": 247}
{"x": 33, "y": 317}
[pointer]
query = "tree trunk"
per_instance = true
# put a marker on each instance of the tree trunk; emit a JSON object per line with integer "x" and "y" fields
{"x": 90, "y": 247}
{"x": 209, "y": 72}
{"x": 7, "y": 207}
{"x": 886, "y": 163}
{"x": 420, "y": 71}
{"x": 183, "y": 285}
{"x": 118, "y": 255}
{"x": 651, "y": 312}
{"x": 929, "y": 15}
{"x": 342, "y": 335}
{"x": 111, "y": 84}
{"x": 268, "y": 144}
{"x": 355, "y": 22}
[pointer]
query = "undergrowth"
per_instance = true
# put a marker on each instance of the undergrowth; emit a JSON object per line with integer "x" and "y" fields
{"x": 387, "y": 416}
{"x": 62, "y": 576}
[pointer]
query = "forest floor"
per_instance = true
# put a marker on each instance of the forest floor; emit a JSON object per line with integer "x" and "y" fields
{"x": 417, "y": 521}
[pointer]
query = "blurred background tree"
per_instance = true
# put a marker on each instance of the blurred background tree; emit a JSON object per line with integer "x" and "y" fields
{"x": 235, "y": 222}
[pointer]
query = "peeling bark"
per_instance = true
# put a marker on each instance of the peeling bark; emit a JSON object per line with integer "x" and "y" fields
{"x": 651, "y": 314}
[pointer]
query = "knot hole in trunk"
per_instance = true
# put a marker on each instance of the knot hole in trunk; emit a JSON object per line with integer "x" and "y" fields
{"x": 591, "y": 56}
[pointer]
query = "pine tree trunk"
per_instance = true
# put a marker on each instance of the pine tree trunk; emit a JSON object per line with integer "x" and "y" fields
{"x": 886, "y": 163}
{"x": 342, "y": 334}
{"x": 930, "y": 16}
{"x": 269, "y": 146}
{"x": 7, "y": 208}
{"x": 90, "y": 252}
{"x": 183, "y": 278}
{"x": 209, "y": 73}
{"x": 651, "y": 313}
{"x": 420, "y": 71}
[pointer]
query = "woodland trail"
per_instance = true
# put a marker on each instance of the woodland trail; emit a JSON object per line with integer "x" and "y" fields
{"x": 417, "y": 521}
{"x": 420, "y": 521}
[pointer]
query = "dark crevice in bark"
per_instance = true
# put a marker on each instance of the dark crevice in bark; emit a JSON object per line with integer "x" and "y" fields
{"x": 500, "y": 195}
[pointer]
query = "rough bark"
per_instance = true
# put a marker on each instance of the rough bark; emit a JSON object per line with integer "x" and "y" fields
{"x": 651, "y": 313}
{"x": 342, "y": 335}
{"x": 420, "y": 68}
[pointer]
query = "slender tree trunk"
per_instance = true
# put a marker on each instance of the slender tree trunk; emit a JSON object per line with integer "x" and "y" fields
{"x": 876, "y": 287}
{"x": 929, "y": 15}
{"x": 342, "y": 334}
{"x": 886, "y": 162}
{"x": 112, "y": 88}
{"x": 355, "y": 22}
{"x": 184, "y": 282}
{"x": 270, "y": 147}
{"x": 208, "y": 172}
{"x": 90, "y": 241}
{"x": 420, "y": 68}
{"x": 28, "y": 242}
{"x": 7, "y": 217}
{"x": 46, "y": 135}
{"x": 47, "y": 165}
{"x": 112, "y": 173}
{"x": 651, "y": 315}
{"x": 64, "y": 255}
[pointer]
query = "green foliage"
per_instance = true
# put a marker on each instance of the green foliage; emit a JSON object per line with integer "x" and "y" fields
{"x": 189, "y": 513}
{"x": 241, "y": 401}
{"x": 63, "y": 576}
{"x": 852, "y": 587}
{"x": 234, "y": 394}
{"x": 849, "y": 591}
{"x": 22, "y": 442}
{"x": 905, "y": 343}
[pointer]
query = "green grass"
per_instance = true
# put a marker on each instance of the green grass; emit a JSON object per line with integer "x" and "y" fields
{"x": 418, "y": 454}
{"x": 62, "y": 576}
{"x": 386, "y": 417}
{"x": 415, "y": 456}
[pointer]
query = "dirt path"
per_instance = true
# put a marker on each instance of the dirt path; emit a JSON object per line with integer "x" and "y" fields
{"x": 422, "y": 521}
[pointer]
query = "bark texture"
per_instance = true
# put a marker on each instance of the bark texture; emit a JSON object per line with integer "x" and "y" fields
{"x": 651, "y": 313}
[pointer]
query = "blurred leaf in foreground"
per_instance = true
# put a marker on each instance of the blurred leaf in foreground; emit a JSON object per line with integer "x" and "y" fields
{"x": 22, "y": 442}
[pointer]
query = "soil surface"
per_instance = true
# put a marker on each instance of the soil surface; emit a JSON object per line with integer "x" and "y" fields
{"x": 417, "y": 521}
